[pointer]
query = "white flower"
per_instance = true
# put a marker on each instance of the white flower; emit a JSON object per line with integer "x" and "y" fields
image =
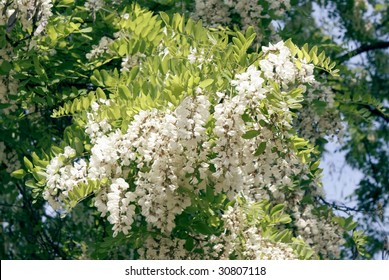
{"x": 69, "y": 152}
{"x": 121, "y": 212}
{"x": 94, "y": 5}
{"x": 192, "y": 55}
{"x": 131, "y": 61}
{"x": 100, "y": 49}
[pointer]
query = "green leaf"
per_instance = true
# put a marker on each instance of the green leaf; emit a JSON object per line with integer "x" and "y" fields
{"x": 261, "y": 148}
{"x": 108, "y": 79}
{"x": 285, "y": 219}
{"x": 209, "y": 194}
{"x": 206, "y": 83}
{"x": 100, "y": 93}
{"x": 277, "y": 209}
{"x": 78, "y": 145}
{"x": 360, "y": 240}
{"x": 19, "y": 174}
{"x": 28, "y": 164}
{"x": 3, "y": 40}
{"x": 31, "y": 184}
{"x": 203, "y": 228}
{"x": 38, "y": 67}
{"x": 283, "y": 236}
{"x": 65, "y": 2}
{"x": 214, "y": 221}
{"x": 97, "y": 79}
{"x": 189, "y": 244}
{"x": 262, "y": 123}
{"x": 251, "y": 134}
{"x": 315, "y": 165}
{"x": 124, "y": 92}
{"x": 350, "y": 224}
{"x": 39, "y": 176}
{"x": 85, "y": 30}
{"x": 5, "y": 67}
{"x": 164, "y": 17}
{"x": 246, "y": 118}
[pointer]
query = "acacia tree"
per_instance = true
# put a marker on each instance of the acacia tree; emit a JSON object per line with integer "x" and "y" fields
{"x": 165, "y": 138}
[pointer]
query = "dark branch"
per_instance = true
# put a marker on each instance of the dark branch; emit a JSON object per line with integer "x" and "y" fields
{"x": 341, "y": 206}
{"x": 362, "y": 49}
{"x": 374, "y": 111}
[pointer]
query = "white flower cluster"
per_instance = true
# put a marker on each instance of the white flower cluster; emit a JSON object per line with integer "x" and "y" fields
{"x": 63, "y": 177}
{"x": 198, "y": 57}
{"x": 165, "y": 146}
{"x": 246, "y": 241}
{"x": 231, "y": 176}
{"x": 324, "y": 236}
{"x": 212, "y": 12}
{"x": 26, "y": 12}
{"x": 319, "y": 118}
{"x": 238, "y": 239}
{"x": 100, "y": 49}
{"x": 170, "y": 147}
{"x": 279, "y": 6}
{"x": 279, "y": 66}
{"x": 162, "y": 248}
{"x": 94, "y": 5}
{"x": 250, "y": 12}
{"x": 238, "y": 167}
{"x": 130, "y": 61}
{"x": 238, "y": 146}
{"x": 97, "y": 128}
{"x": 121, "y": 212}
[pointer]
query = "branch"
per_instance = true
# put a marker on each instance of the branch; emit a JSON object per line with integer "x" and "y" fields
{"x": 342, "y": 207}
{"x": 362, "y": 49}
{"x": 374, "y": 111}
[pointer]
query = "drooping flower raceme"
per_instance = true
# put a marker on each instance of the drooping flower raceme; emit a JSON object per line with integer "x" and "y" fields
{"x": 279, "y": 66}
{"x": 121, "y": 212}
{"x": 63, "y": 176}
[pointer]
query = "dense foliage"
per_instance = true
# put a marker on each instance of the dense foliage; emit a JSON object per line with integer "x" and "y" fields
{"x": 147, "y": 134}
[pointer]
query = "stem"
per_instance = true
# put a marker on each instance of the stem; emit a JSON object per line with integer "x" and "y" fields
{"x": 362, "y": 49}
